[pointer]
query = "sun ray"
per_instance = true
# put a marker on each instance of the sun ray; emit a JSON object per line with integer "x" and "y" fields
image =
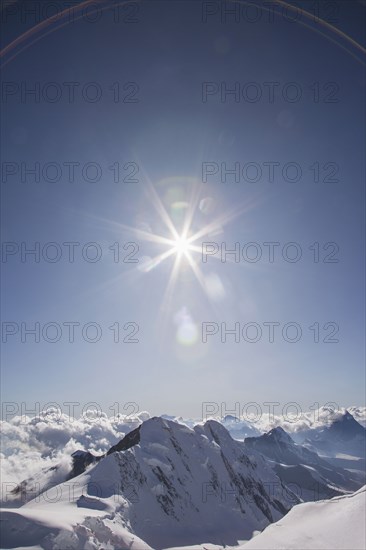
{"x": 193, "y": 203}
{"x": 197, "y": 271}
{"x": 222, "y": 220}
{"x": 143, "y": 235}
{"x": 154, "y": 262}
{"x": 167, "y": 297}
{"x": 159, "y": 207}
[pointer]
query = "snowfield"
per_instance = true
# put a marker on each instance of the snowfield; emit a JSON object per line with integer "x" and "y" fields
{"x": 335, "y": 524}
{"x": 338, "y": 524}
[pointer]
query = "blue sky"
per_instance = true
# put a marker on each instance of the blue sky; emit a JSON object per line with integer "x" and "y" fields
{"x": 169, "y": 52}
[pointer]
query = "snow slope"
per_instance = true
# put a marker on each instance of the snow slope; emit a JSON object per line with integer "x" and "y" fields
{"x": 337, "y": 524}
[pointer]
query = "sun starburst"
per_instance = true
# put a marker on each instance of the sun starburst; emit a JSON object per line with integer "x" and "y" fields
{"x": 182, "y": 241}
{"x": 181, "y": 245}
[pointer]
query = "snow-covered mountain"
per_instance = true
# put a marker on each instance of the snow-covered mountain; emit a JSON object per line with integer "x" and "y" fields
{"x": 239, "y": 429}
{"x": 163, "y": 485}
{"x": 359, "y": 414}
{"x": 337, "y": 437}
{"x": 341, "y": 442}
{"x": 297, "y": 466}
{"x": 337, "y": 524}
{"x": 299, "y": 424}
{"x": 344, "y": 432}
{"x": 319, "y": 421}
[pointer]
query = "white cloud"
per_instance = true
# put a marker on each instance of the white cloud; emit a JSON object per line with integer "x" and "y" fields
{"x": 33, "y": 445}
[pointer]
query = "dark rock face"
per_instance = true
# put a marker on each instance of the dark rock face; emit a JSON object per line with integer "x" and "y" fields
{"x": 81, "y": 460}
{"x": 131, "y": 439}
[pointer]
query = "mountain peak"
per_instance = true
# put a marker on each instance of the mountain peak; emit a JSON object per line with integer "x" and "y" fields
{"x": 347, "y": 426}
{"x": 131, "y": 439}
{"x": 348, "y": 416}
{"x": 230, "y": 418}
{"x": 280, "y": 435}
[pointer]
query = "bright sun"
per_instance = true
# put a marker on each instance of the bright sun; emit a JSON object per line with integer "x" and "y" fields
{"x": 181, "y": 245}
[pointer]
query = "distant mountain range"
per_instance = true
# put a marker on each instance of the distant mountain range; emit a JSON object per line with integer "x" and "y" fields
{"x": 314, "y": 477}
